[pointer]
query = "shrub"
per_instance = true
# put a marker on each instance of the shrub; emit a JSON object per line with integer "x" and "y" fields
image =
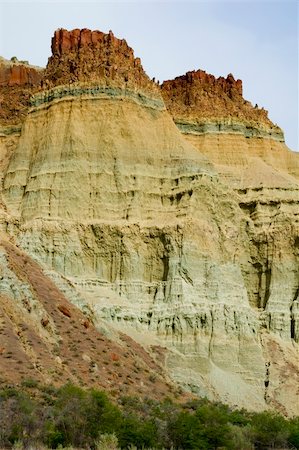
{"x": 142, "y": 433}
{"x": 270, "y": 430}
{"x": 107, "y": 442}
{"x": 294, "y": 432}
{"x": 29, "y": 383}
{"x": 72, "y": 416}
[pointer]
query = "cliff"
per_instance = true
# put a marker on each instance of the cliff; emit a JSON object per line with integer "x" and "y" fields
{"x": 132, "y": 224}
{"x": 215, "y": 104}
{"x": 44, "y": 336}
{"x": 250, "y": 155}
{"x": 86, "y": 56}
{"x": 18, "y": 80}
{"x": 213, "y": 115}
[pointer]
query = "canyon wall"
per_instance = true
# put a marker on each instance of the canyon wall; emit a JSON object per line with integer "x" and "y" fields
{"x": 146, "y": 229}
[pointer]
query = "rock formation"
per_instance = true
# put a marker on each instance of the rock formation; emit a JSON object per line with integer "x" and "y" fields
{"x": 84, "y": 55}
{"x": 18, "y": 80}
{"x": 213, "y": 115}
{"x": 250, "y": 155}
{"x": 135, "y": 227}
{"x": 44, "y": 336}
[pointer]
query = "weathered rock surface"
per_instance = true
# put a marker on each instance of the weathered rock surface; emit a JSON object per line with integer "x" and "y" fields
{"x": 44, "y": 336}
{"x": 213, "y": 115}
{"x": 134, "y": 226}
{"x": 214, "y": 104}
{"x": 18, "y": 80}
{"x": 85, "y": 55}
{"x": 250, "y": 155}
{"x": 15, "y": 73}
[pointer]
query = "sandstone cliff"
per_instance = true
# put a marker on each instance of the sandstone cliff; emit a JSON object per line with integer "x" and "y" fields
{"x": 18, "y": 81}
{"x": 133, "y": 224}
{"x": 213, "y": 115}
{"x": 250, "y": 155}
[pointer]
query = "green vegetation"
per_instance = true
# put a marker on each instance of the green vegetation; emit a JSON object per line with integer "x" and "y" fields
{"x": 38, "y": 417}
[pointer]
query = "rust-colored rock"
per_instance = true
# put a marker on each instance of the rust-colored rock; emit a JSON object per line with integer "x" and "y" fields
{"x": 86, "y": 323}
{"x": 65, "y": 41}
{"x": 114, "y": 357}
{"x": 199, "y": 95}
{"x": 44, "y": 321}
{"x": 19, "y": 75}
{"x": 64, "y": 310}
{"x": 228, "y": 85}
{"x": 85, "y": 55}
{"x": 77, "y": 55}
{"x": 17, "y": 82}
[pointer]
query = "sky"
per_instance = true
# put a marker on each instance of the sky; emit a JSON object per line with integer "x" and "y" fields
{"x": 255, "y": 40}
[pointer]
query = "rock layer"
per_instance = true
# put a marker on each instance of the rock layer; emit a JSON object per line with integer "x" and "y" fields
{"x": 250, "y": 155}
{"x": 85, "y": 55}
{"x": 45, "y": 337}
{"x": 18, "y": 80}
{"x": 214, "y": 104}
{"x": 133, "y": 224}
{"x": 213, "y": 115}
{"x": 15, "y": 73}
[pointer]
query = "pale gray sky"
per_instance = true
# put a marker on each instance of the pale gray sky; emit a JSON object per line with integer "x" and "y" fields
{"x": 257, "y": 41}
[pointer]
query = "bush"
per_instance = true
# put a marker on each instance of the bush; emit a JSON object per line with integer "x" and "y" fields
{"x": 270, "y": 430}
{"x": 294, "y": 432}
{"x": 187, "y": 432}
{"x": 29, "y": 382}
{"x": 107, "y": 442}
{"x": 142, "y": 433}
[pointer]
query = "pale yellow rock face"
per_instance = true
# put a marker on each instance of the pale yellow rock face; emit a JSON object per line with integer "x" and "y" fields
{"x": 249, "y": 162}
{"x": 134, "y": 225}
{"x": 102, "y": 163}
{"x": 264, "y": 173}
{"x": 9, "y": 138}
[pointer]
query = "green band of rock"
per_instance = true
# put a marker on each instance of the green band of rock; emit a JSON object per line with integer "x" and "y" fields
{"x": 10, "y": 130}
{"x": 97, "y": 92}
{"x": 247, "y": 130}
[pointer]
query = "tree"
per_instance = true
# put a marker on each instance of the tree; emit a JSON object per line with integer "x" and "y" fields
{"x": 270, "y": 430}
{"x": 294, "y": 432}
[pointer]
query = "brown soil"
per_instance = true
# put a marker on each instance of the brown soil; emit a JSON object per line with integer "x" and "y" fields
{"x": 82, "y": 355}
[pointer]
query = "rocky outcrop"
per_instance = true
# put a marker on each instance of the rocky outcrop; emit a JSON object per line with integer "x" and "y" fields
{"x": 15, "y": 73}
{"x": 201, "y": 103}
{"x": 18, "y": 80}
{"x": 213, "y": 115}
{"x": 135, "y": 227}
{"x": 85, "y": 56}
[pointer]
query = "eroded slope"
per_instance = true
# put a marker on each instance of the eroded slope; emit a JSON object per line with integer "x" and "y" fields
{"x": 136, "y": 228}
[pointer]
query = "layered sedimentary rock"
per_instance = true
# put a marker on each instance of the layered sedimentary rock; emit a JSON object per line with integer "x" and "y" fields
{"x": 18, "y": 81}
{"x": 213, "y": 115}
{"x": 85, "y": 55}
{"x": 45, "y": 337}
{"x": 133, "y": 224}
{"x": 250, "y": 155}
